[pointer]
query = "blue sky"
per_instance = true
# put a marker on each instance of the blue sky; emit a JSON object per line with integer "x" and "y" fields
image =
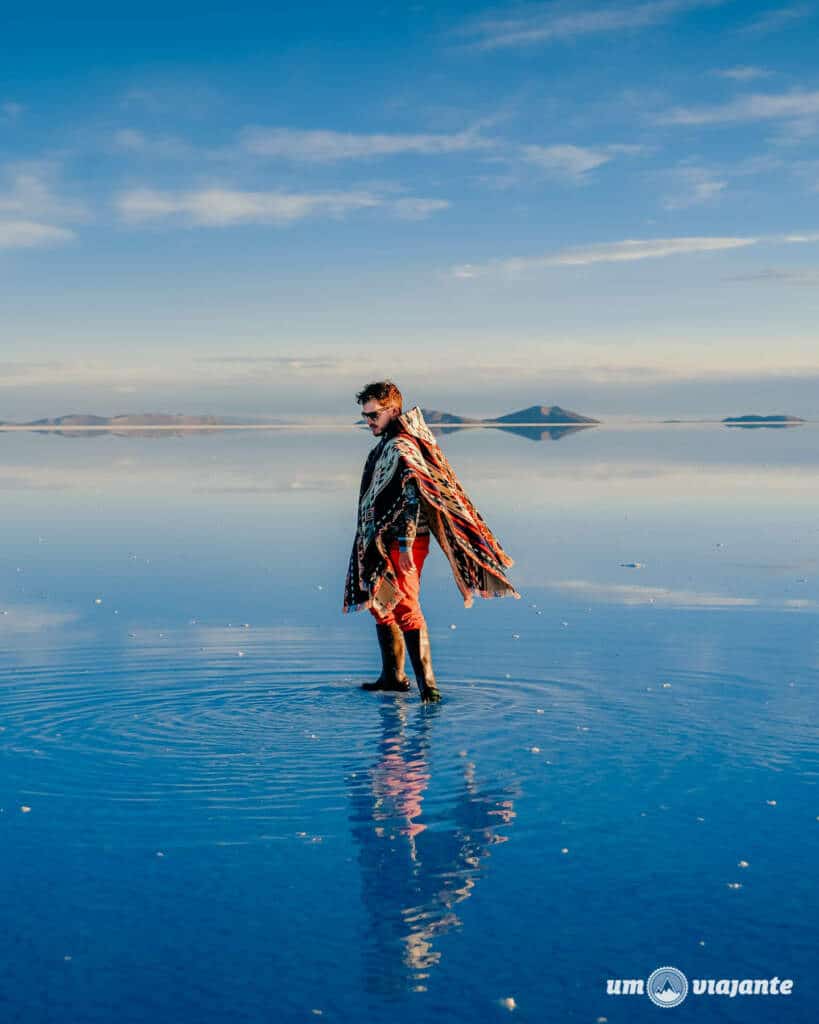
{"x": 612, "y": 207}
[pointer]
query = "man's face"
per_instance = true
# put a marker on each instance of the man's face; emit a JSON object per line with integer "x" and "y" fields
{"x": 379, "y": 417}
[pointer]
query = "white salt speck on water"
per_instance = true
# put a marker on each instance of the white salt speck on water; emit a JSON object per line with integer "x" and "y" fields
{"x": 241, "y": 654}
{"x": 702, "y": 942}
{"x": 25, "y": 809}
{"x": 159, "y": 853}
{"x": 452, "y": 626}
{"x": 666, "y": 686}
{"x": 565, "y": 849}
{"x": 97, "y": 600}
{"x": 540, "y": 711}
{"x": 742, "y": 864}
{"x": 534, "y": 750}
{"x": 67, "y": 957}
{"x": 771, "y": 803}
{"x": 734, "y": 885}
{"x": 516, "y": 636}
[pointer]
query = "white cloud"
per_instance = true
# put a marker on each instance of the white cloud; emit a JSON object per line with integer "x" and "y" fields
{"x": 129, "y": 140}
{"x": 809, "y": 276}
{"x": 574, "y": 162}
{"x": 742, "y": 73}
{"x": 26, "y": 234}
{"x": 32, "y": 192}
{"x": 608, "y": 252}
{"x": 771, "y": 21}
{"x": 11, "y": 110}
{"x": 417, "y": 209}
{"x": 331, "y": 146}
{"x": 221, "y": 207}
{"x": 544, "y": 23}
{"x": 31, "y": 209}
{"x": 756, "y": 107}
{"x": 693, "y": 186}
{"x": 224, "y": 207}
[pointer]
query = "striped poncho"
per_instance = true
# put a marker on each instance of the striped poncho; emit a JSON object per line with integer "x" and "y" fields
{"x": 474, "y": 554}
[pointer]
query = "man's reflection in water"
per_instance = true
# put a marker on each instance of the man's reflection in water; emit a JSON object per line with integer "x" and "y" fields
{"x": 414, "y": 872}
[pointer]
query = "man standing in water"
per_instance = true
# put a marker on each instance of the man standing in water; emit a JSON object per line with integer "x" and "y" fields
{"x": 409, "y": 491}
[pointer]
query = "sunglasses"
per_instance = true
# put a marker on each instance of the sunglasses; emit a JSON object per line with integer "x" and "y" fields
{"x": 374, "y": 415}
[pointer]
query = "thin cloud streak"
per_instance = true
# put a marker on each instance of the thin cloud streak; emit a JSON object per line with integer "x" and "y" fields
{"x": 26, "y": 234}
{"x": 796, "y": 104}
{"x": 742, "y": 73}
{"x": 772, "y": 21}
{"x": 574, "y": 162}
{"x": 628, "y": 250}
{"x": 224, "y": 207}
{"x": 557, "y": 22}
{"x": 31, "y": 211}
{"x": 695, "y": 185}
{"x": 333, "y": 146}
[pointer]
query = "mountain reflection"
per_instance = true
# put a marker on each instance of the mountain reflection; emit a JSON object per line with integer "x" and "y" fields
{"x": 414, "y": 872}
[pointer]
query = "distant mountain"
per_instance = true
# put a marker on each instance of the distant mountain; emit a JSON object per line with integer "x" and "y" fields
{"x": 536, "y": 423}
{"x": 753, "y": 422}
{"x": 763, "y": 419}
{"x": 542, "y": 414}
{"x": 534, "y": 414}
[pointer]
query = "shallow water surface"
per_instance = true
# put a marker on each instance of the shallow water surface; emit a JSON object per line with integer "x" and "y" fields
{"x": 205, "y": 819}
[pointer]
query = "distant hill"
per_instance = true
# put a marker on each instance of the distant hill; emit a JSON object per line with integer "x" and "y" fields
{"x": 543, "y": 414}
{"x": 763, "y": 419}
{"x": 534, "y": 414}
{"x": 753, "y": 422}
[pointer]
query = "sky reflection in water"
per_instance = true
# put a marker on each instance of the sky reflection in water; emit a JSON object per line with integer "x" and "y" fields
{"x": 223, "y": 826}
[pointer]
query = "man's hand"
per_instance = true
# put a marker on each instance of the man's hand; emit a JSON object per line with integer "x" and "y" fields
{"x": 406, "y": 562}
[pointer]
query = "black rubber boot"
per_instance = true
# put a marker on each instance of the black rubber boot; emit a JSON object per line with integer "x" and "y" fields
{"x": 391, "y": 642}
{"x": 417, "y": 641}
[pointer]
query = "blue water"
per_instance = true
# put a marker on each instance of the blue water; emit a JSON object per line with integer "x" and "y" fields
{"x": 224, "y": 828}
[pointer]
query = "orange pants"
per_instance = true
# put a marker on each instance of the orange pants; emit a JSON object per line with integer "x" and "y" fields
{"x": 407, "y": 613}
